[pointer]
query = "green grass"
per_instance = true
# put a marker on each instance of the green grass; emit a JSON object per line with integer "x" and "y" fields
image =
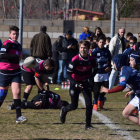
{"x": 45, "y": 124}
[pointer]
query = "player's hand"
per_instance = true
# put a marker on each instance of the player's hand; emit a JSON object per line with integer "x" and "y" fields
{"x": 128, "y": 94}
{"x": 38, "y": 103}
{"x": 107, "y": 69}
{"x": 104, "y": 90}
{"x": 69, "y": 47}
{"x": 79, "y": 86}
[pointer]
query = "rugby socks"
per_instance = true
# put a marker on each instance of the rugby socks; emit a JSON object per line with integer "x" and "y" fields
{"x": 3, "y": 94}
{"x": 17, "y": 103}
{"x": 25, "y": 96}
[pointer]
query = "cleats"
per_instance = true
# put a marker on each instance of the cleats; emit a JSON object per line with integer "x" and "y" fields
{"x": 135, "y": 112}
{"x": 95, "y": 108}
{"x": 100, "y": 104}
{"x": 21, "y": 119}
{"x": 11, "y": 107}
{"x": 63, "y": 115}
{"x": 87, "y": 127}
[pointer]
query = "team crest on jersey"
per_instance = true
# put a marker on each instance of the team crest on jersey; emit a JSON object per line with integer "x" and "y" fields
{"x": 3, "y": 49}
{"x": 16, "y": 52}
{"x": 122, "y": 79}
{"x": 71, "y": 66}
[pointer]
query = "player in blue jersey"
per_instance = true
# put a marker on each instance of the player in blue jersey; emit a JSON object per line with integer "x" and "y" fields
{"x": 131, "y": 76}
{"x": 103, "y": 57}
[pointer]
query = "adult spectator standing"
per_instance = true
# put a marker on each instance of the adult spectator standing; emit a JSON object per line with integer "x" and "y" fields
{"x": 0, "y": 44}
{"x": 117, "y": 46}
{"x": 68, "y": 48}
{"x": 86, "y": 33}
{"x": 41, "y": 46}
{"x": 55, "y": 57}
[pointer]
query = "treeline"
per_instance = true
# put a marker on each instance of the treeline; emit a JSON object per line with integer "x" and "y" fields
{"x": 49, "y": 9}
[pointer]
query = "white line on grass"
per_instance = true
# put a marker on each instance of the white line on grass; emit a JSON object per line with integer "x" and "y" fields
{"x": 126, "y": 135}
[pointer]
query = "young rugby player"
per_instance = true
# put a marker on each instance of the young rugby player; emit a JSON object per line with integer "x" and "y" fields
{"x": 79, "y": 73}
{"x": 131, "y": 76}
{"x": 103, "y": 58}
{"x": 36, "y": 76}
{"x": 10, "y": 72}
{"x": 49, "y": 100}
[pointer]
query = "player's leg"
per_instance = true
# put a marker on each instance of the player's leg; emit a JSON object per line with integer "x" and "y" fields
{"x": 96, "y": 91}
{"x": 29, "y": 81}
{"x": 88, "y": 101}
{"x": 129, "y": 109}
{"x": 16, "y": 90}
{"x": 74, "y": 93}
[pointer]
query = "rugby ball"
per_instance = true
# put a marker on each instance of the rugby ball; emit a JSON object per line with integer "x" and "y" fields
{"x": 29, "y": 62}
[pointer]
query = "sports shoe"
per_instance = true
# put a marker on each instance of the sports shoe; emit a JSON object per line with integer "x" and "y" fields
{"x": 11, "y": 107}
{"x": 100, "y": 104}
{"x": 126, "y": 89}
{"x": 95, "y": 108}
{"x": 87, "y": 127}
{"x": 63, "y": 115}
{"x": 21, "y": 119}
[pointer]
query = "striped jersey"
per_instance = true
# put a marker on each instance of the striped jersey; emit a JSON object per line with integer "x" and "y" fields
{"x": 9, "y": 57}
{"x": 80, "y": 68}
{"x": 37, "y": 70}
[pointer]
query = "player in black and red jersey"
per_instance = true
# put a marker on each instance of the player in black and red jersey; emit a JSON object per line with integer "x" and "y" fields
{"x": 10, "y": 72}
{"x": 79, "y": 72}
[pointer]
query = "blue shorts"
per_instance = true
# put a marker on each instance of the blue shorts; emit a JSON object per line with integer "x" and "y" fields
{"x": 6, "y": 80}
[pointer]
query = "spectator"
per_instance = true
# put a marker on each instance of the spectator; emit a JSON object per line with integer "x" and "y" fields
{"x": 95, "y": 39}
{"x": 88, "y": 39}
{"x": 55, "y": 57}
{"x": 117, "y": 46}
{"x": 128, "y": 35}
{"x": 93, "y": 45}
{"x": 86, "y": 33}
{"x": 99, "y": 33}
{"x": 0, "y": 44}
{"x": 107, "y": 42}
{"x": 138, "y": 37}
{"x": 131, "y": 46}
{"x": 40, "y": 46}
{"x": 68, "y": 48}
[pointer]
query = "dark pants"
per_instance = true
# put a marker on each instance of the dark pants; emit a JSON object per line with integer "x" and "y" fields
{"x": 74, "y": 93}
{"x": 96, "y": 91}
{"x": 55, "y": 72}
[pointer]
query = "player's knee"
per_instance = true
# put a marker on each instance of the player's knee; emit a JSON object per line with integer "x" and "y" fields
{"x": 125, "y": 114}
{"x": 3, "y": 94}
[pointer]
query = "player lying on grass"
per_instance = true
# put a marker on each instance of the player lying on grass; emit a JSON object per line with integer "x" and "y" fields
{"x": 45, "y": 100}
{"x": 36, "y": 76}
{"x": 131, "y": 76}
{"x": 79, "y": 72}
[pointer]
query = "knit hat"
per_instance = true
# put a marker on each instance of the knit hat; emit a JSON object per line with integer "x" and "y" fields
{"x": 120, "y": 60}
{"x": 136, "y": 56}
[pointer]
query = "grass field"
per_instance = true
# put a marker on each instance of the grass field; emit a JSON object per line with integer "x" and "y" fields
{"x": 45, "y": 124}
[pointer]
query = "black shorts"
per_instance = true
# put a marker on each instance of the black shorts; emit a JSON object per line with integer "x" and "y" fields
{"x": 6, "y": 80}
{"x": 28, "y": 78}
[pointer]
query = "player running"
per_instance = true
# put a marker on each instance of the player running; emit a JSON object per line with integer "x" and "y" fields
{"x": 131, "y": 76}
{"x": 79, "y": 73}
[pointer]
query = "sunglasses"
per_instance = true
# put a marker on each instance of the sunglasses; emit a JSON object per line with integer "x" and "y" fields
{"x": 131, "y": 42}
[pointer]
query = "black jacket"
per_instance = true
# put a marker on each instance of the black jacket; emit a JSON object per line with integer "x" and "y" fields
{"x": 67, "y": 54}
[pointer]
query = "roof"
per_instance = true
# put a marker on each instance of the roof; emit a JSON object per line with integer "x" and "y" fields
{"x": 86, "y": 11}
